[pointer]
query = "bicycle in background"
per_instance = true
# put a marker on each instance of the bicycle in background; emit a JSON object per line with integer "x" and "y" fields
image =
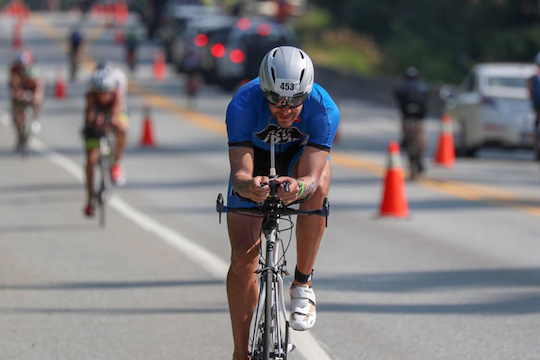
{"x": 414, "y": 141}
{"x": 102, "y": 182}
{"x": 26, "y": 127}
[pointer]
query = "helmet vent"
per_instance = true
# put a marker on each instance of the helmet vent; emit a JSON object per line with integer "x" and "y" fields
{"x": 302, "y": 54}
{"x": 302, "y": 75}
{"x": 273, "y": 75}
{"x": 274, "y": 53}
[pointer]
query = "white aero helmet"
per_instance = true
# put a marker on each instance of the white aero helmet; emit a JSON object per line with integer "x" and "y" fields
{"x": 103, "y": 81}
{"x": 286, "y": 76}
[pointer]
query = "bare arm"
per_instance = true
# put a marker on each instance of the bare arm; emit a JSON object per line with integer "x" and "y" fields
{"x": 90, "y": 112}
{"x": 242, "y": 180}
{"x": 115, "y": 109}
{"x": 310, "y": 168}
{"x": 40, "y": 91}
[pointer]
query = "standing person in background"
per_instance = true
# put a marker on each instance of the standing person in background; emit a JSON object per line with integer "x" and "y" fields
{"x": 75, "y": 43}
{"x": 412, "y": 96}
{"x": 192, "y": 64}
{"x": 132, "y": 44}
{"x": 534, "y": 91}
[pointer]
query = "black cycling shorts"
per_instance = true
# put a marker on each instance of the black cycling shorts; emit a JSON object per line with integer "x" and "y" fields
{"x": 285, "y": 162}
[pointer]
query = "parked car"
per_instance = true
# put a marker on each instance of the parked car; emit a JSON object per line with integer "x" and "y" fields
{"x": 175, "y": 20}
{"x": 492, "y": 108}
{"x": 189, "y": 46}
{"x": 152, "y": 12}
{"x": 216, "y": 38}
{"x": 239, "y": 57}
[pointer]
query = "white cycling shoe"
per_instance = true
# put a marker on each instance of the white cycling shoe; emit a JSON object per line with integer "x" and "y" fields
{"x": 35, "y": 127}
{"x": 303, "y": 308}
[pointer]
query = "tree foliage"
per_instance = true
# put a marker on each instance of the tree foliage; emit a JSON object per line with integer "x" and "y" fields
{"x": 443, "y": 38}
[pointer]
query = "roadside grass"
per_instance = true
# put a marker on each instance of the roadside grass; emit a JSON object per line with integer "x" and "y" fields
{"x": 337, "y": 48}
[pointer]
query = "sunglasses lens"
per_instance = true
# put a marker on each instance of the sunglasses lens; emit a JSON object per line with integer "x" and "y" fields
{"x": 281, "y": 102}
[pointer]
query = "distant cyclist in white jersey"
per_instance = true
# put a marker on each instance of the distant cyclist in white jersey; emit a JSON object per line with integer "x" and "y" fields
{"x": 121, "y": 121}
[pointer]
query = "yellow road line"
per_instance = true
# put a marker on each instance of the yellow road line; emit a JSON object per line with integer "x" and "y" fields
{"x": 463, "y": 190}
{"x": 193, "y": 117}
{"x": 50, "y": 31}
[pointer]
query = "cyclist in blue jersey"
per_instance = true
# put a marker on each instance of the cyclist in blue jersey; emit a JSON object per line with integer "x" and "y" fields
{"x": 284, "y": 103}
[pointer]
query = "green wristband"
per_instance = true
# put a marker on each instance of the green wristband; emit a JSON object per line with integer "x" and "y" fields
{"x": 301, "y": 185}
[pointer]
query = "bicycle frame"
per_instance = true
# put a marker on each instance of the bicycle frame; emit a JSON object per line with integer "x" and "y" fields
{"x": 25, "y": 130}
{"x": 103, "y": 167}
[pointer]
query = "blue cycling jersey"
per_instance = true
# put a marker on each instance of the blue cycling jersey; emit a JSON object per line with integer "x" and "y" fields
{"x": 250, "y": 122}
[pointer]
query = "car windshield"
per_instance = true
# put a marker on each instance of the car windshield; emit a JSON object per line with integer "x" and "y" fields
{"x": 507, "y": 82}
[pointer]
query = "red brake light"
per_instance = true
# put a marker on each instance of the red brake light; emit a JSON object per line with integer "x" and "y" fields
{"x": 243, "y": 24}
{"x": 264, "y": 29}
{"x": 201, "y": 40}
{"x": 237, "y": 56}
{"x": 218, "y": 50}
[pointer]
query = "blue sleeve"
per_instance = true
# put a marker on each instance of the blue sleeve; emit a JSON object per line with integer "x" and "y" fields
{"x": 323, "y": 123}
{"x": 241, "y": 119}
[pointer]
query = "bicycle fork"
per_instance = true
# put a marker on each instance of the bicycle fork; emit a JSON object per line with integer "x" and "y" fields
{"x": 268, "y": 333}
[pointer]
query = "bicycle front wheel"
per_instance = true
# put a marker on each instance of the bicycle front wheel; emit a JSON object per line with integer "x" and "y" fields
{"x": 268, "y": 317}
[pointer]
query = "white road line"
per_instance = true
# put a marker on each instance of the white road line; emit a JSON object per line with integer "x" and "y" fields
{"x": 306, "y": 343}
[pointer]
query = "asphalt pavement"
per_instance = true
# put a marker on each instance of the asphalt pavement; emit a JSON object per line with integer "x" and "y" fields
{"x": 458, "y": 279}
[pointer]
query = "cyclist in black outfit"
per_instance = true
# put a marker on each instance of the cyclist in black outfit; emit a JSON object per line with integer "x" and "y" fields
{"x": 412, "y": 96}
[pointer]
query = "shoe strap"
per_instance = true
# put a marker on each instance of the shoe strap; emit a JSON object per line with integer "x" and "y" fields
{"x": 299, "y": 293}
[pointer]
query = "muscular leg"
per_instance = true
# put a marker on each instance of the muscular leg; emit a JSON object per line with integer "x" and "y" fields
{"x": 242, "y": 290}
{"x": 19, "y": 121}
{"x": 310, "y": 229}
{"x": 120, "y": 131}
{"x": 91, "y": 159}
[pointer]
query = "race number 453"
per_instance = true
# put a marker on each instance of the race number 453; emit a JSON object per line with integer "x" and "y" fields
{"x": 287, "y": 86}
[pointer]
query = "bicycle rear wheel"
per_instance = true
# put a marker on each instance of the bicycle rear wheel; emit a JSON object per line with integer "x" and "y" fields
{"x": 24, "y": 132}
{"x": 413, "y": 149}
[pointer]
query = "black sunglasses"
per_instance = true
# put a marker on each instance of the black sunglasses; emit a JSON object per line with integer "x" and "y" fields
{"x": 284, "y": 101}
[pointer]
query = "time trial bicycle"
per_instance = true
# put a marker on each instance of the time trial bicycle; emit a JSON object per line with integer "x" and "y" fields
{"x": 102, "y": 171}
{"x": 270, "y": 338}
{"x": 412, "y": 141}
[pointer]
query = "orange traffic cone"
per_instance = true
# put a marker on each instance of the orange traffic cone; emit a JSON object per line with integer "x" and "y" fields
{"x": 147, "y": 138}
{"x": 60, "y": 86}
{"x": 160, "y": 69}
{"x": 446, "y": 152}
{"x": 17, "y": 38}
{"x": 394, "y": 202}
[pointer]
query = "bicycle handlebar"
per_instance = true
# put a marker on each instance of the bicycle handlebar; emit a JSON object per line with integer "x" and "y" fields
{"x": 273, "y": 206}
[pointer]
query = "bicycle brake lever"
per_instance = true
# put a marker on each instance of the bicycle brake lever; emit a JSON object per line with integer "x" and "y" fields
{"x": 286, "y": 186}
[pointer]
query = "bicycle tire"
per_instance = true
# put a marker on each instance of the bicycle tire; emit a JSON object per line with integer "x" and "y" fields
{"x": 24, "y": 133}
{"x": 413, "y": 151}
{"x": 102, "y": 191}
{"x": 257, "y": 341}
{"x": 268, "y": 338}
{"x": 23, "y": 142}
